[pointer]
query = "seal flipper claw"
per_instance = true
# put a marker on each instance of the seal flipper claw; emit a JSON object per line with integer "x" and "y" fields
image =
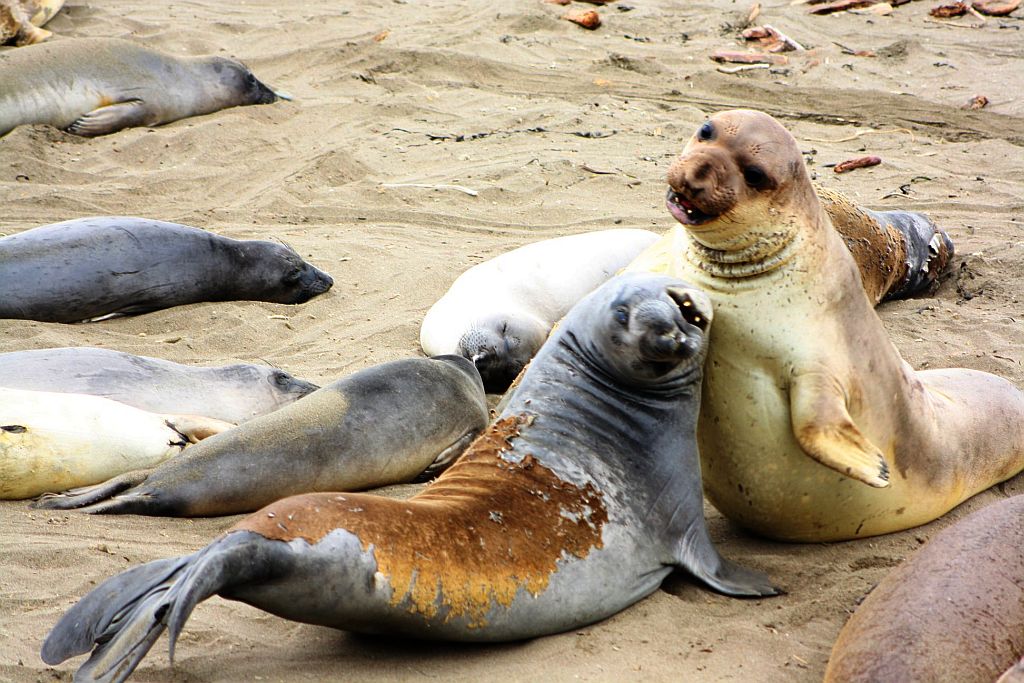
{"x": 87, "y": 495}
{"x": 826, "y": 432}
{"x": 110, "y": 119}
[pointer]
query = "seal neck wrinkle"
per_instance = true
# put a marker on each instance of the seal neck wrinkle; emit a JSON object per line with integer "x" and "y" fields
{"x": 748, "y": 254}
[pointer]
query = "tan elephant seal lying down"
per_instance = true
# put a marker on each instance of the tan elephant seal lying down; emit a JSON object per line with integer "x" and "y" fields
{"x": 812, "y": 427}
{"x": 97, "y": 86}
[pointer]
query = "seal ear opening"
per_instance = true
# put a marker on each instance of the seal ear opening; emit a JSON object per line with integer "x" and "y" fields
{"x": 694, "y": 305}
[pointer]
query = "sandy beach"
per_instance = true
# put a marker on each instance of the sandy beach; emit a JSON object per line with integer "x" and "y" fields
{"x": 558, "y": 130}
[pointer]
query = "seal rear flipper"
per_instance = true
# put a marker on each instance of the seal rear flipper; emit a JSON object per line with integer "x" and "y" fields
{"x": 929, "y": 251}
{"x": 126, "y": 614}
{"x": 826, "y": 432}
{"x": 87, "y": 495}
{"x": 110, "y": 119}
{"x": 97, "y": 616}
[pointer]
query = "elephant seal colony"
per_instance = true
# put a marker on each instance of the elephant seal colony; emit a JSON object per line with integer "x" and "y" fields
{"x": 812, "y": 427}
{"x": 98, "y": 86}
{"x": 88, "y": 268}
{"x": 233, "y": 393}
{"x": 387, "y": 424}
{"x": 498, "y": 313}
{"x": 20, "y": 20}
{"x": 529, "y": 533}
{"x": 53, "y": 442}
{"x": 953, "y": 611}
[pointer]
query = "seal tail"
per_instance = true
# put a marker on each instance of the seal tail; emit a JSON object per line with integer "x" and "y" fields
{"x": 126, "y": 614}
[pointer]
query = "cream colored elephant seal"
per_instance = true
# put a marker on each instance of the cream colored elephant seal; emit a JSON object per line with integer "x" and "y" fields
{"x": 53, "y": 442}
{"x": 812, "y": 427}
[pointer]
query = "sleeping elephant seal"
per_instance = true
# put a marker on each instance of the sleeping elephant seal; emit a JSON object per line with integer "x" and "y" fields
{"x": 96, "y": 86}
{"x": 954, "y": 611}
{"x": 499, "y": 312}
{"x": 384, "y": 425}
{"x": 805, "y": 398}
{"x": 20, "y": 20}
{"x": 233, "y": 393}
{"x": 115, "y": 265}
{"x": 53, "y": 442}
{"x": 576, "y": 503}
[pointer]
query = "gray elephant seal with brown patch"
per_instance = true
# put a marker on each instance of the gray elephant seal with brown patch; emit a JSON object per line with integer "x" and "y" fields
{"x": 96, "y": 86}
{"x": 116, "y": 265}
{"x": 387, "y": 424}
{"x": 953, "y": 611}
{"x": 573, "y": 505}
{"x": 233, "y": 393}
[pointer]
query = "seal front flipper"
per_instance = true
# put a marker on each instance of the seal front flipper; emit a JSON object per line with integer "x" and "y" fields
{"x": 826, "y": 432}
{"x": 87, "y": 495}
{"x": 446, "y": 457}
{"x": 110, "y": 119}
{"x": 698, "y": 556}
{"x": 195, "y": 428}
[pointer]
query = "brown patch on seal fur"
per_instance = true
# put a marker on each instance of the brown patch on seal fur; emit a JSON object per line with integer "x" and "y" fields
{"x": 486, "y": 528}
{"x": 879, "y": 250}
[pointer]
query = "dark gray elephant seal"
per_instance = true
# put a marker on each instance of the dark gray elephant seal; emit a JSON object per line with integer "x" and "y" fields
{"x": 954, "y": 611}
{"x": 384, "y": 425}
{"x": 573, "y": 505}
{"x": 233, "y": 393}
{"x": 93, "y": 267}
{"x": 96, "y": 86}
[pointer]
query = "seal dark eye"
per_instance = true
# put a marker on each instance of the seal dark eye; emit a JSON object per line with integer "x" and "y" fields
{"x": 706, "y": 132}
{"x": 755, "y": 177}
{"x": 621, "y": 316}
{"x": 281, "y": 379}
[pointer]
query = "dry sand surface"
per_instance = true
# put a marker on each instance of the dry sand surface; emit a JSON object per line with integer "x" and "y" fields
{"x": 384, "y": 91}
